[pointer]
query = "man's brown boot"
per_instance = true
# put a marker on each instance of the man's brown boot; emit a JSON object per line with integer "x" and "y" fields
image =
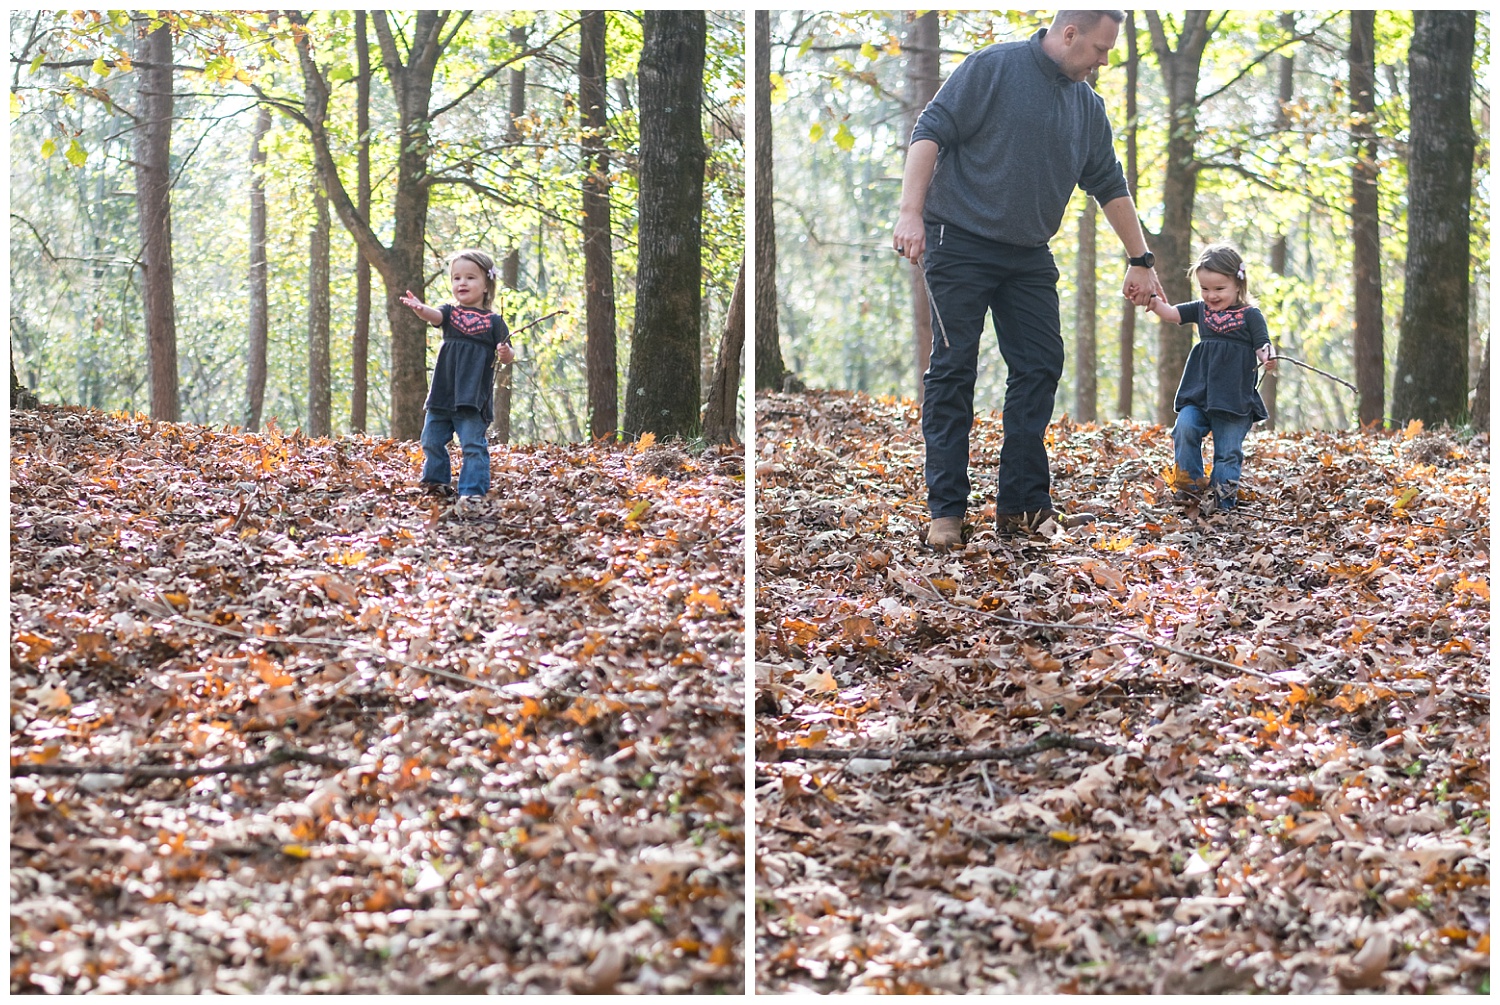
{"x": 946, "y": 532}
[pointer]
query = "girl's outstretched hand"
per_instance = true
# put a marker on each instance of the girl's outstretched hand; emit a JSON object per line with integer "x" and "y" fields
{"x": 410, "y": 300}
{"x": 1267, "y": 355}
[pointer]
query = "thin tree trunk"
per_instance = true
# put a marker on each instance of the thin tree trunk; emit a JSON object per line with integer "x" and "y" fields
{"x": 319, "y": 379}
{"x": 359, "y": 393}
{"x": 720, "y": 417}
{"x": 1180, "y": 69}
{"x": 1479, "y": 412}
{"x": 923, "y": 76}
{"x": 770, "y": 368}
{"x": 1432, "y": 359}
{"x": 1286, "y": 67}
{"x": 259, "y": 294}
{"x": 510, "y": 266}
{"x": 1126, "y": 401}
{"x": 662, "y": 394}
{"x": 153, "y": 176}
{"x": 601, "y": 366}
{"x": 1086, "y": 359}
{"x": 1369, "y": 306}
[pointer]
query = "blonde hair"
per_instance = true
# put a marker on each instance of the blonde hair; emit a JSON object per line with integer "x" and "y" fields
{"x": 486, "y": 265}
{"x": 1226, "y": 261}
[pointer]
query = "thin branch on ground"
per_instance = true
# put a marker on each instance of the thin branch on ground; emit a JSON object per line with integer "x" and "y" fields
{"x": 1048, "y": 741}
{"x": 286, "y": 755}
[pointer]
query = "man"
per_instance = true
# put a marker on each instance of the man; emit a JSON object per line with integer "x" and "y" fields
{"x": 992, "y": 163}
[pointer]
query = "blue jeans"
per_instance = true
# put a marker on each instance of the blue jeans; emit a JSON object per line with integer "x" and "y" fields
{"x": 437, "y": 431}
{"x": 1193, "y": 423}
{"x": 971, "y": 276}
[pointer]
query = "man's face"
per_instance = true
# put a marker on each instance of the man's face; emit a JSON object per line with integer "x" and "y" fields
{"x": 1084, "y": 51}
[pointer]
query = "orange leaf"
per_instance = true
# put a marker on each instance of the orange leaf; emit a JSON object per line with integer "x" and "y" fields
{"x": 1478, "y": 587}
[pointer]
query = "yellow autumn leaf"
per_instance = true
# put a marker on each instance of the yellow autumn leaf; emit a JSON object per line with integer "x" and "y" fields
{"x": 296, "y": 851}
{"x": 1405, "y": 498}
{"x": 1066, "y": 837}
{"x": 639, "y": 509}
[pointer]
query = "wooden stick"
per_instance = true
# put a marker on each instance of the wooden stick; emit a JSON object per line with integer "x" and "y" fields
{"x": 283, "y": 756}
{"x": 538, "y": 321}
{"x": 1048, "y": 741}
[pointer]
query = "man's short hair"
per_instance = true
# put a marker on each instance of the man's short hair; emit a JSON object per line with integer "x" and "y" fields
{"x": 1085, "y": 20}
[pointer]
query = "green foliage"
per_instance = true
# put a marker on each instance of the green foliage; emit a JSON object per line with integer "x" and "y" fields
{"x": 844, "y": 298}
{"x": 75, "y": 317}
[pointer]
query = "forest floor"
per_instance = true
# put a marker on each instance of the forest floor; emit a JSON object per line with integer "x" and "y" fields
{"x": 966, "y": 780}
{"x": 281, "y": 723}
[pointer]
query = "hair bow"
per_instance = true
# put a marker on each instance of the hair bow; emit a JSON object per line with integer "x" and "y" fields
{"x": 1241, "y": 273}
{"x": 494, "y": 273}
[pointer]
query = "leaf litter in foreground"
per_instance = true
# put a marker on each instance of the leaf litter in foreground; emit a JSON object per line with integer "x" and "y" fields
{"x": 487, "y": 750}
{"x": 1112, "y": 815}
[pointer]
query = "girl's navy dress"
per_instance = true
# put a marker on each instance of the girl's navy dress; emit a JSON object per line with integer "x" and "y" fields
{"x": 1220, "y": 372}
{"x": 464, "y": 375}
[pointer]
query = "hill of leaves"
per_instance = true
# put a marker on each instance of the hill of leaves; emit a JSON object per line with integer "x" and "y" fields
{"x": 281, "y": 723}
{"x": 1160, "y": 753}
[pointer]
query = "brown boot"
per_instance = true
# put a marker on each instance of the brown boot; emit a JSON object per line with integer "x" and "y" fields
{"x": 946, "y": 532}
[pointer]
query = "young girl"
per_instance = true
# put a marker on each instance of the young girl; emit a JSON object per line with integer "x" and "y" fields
{"x": 463, "y": 381}
{"x": 1217, "y": 393}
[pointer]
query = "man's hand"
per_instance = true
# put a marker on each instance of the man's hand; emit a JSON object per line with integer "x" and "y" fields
{"x": 910, "y": 239}
{"x": 1140, "y": 284}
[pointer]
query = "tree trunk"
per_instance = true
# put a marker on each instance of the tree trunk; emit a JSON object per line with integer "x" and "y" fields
{"x": 1126, "y": 401}
{"x": 1286, "y": 65}
{"x": 510, "y": 266}
{"x": 1369, "y": 326}
{"x": 359, "y": 393}
{"x": 21, "y": 396}
{"x": 598, "y": 258}
{"x": 1432, "y": 359}
{"x": 923, "y": 75}
{"x": 259, "y": 295}
{"x": 1180, "y": 69}
{"x": 770, "y": 369}
{"x": 153, "y": 182}
{"x": 1085, "y": 361}
{"x": 319, "y": 379}
{"x": 1479, "y": 412}
{"x": 720, "y": 416}
{"x": 662, "y": 394}
{"x": 400, "y": 264}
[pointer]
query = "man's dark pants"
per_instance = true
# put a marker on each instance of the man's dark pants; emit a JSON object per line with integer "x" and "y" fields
{"x": 970, "y": 275}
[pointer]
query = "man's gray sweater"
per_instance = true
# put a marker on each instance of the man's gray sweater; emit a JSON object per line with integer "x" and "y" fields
{"x": 1015, "y": 136}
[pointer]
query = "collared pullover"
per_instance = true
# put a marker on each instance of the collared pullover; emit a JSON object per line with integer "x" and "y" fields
{"x": 1015, "y": 136}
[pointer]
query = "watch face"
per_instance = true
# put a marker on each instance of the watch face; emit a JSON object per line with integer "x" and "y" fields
{"x": 1148, "y": 260}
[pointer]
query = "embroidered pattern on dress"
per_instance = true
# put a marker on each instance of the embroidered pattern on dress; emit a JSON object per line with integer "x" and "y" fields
{"x": 1225, "y": 321}
{"x": 467, "y": 321}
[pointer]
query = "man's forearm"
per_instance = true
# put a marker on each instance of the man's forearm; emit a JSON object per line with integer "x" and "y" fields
{"x": 1126, "y": 224}
{"x": 921, "y": 160}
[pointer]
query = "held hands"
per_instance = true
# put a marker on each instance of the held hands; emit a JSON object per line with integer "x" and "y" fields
{"x": 1267, "y": 356}
{"x": 1140, "y": 284}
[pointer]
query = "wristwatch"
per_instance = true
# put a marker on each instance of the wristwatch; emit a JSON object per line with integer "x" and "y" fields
{"x": 1147, "y": 261}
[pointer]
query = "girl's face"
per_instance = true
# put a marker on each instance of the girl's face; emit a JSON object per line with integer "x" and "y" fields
{"x": 1219, "y": 291}
{"x": 468, "y": 282}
